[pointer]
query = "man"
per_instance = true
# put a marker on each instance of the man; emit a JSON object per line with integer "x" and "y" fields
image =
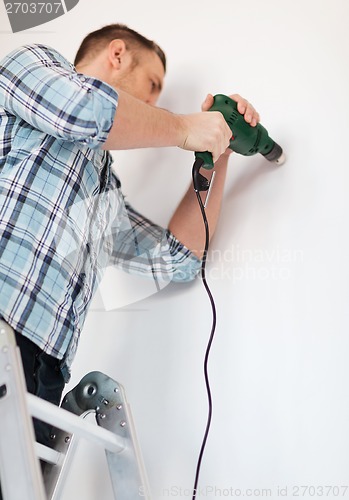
{"x": 63, "y": 217}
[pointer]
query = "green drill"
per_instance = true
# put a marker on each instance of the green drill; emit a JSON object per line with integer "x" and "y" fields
{"x": 245, "y": 140}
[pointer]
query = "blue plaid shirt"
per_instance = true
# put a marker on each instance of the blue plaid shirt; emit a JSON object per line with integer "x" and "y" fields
{"x": 63, "y": 218}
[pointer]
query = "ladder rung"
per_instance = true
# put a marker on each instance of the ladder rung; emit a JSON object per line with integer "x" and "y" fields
{"x": 64, "y": 420}
{"x": 48, "y": 454}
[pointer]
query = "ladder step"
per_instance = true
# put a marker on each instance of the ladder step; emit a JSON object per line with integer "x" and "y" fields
{"x": 48, "y": 455}
{"x": 63, "y": 419}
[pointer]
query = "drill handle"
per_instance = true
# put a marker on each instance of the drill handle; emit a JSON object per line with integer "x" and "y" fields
{"x": 206, "y": 158}
{"x": 227, "y": 107}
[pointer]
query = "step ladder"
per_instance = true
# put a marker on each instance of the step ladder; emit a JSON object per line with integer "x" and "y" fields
{"x": 20, "y": 471}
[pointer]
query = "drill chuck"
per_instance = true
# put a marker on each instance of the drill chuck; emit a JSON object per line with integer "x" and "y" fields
{"x": 275, "y": 154}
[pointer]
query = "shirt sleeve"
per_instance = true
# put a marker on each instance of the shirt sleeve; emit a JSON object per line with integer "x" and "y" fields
{"x": 40, "y": 86}
{"x": 144, "y": 248}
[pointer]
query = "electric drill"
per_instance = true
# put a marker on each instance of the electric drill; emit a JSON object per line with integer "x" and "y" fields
{"x": 245, "y": 140}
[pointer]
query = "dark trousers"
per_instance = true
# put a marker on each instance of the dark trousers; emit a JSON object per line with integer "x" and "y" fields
{"x": 43, "y": 378}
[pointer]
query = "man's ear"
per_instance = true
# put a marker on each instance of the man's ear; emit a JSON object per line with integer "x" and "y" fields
{"x": 116, "y": 53}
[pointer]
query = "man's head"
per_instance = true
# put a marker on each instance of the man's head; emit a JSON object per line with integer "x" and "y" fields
{"x": 125, "y": 59}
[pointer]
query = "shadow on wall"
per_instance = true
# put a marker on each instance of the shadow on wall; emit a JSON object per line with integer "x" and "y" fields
{"x": 244, "y": 186}
{"x": 249, "y": 178}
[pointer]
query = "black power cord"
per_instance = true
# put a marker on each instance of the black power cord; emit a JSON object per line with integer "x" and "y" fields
{"x": 202, "y": 184}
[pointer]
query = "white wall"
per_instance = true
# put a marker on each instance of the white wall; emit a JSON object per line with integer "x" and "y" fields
{"x": 280, "y": 270}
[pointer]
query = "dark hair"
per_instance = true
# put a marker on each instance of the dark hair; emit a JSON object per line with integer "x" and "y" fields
{"x": 96, "y": 41}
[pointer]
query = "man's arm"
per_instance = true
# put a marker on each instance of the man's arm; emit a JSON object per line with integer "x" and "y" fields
{"x": 39, "y": 86}
{"x": 138, "y": 125}
{"x": 144, "y": 248}
{"x": 186, "y": 223}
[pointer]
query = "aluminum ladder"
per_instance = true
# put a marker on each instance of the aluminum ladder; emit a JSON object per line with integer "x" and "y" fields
{"x": 20, "y": 471}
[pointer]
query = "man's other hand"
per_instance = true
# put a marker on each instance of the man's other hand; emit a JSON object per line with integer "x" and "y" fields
{"x": 244, "y": 107}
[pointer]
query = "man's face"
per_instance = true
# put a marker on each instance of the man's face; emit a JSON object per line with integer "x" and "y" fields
{"x": 143, "y": 80}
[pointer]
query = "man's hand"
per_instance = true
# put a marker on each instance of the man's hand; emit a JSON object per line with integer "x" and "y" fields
{"x": 206, "y": 131}
{"x": 244, "y": 107}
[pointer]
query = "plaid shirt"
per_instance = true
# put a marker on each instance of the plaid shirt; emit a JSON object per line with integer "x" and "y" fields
{"x": 63, "y": 218}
